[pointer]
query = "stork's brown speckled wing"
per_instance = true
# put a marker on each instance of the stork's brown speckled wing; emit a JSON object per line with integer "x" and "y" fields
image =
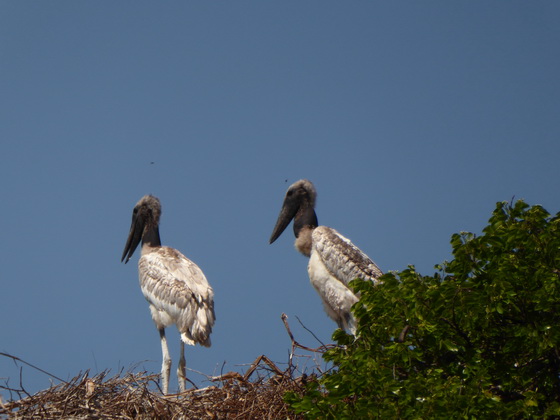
{"x": 178, "y": 293}
{"x": 342, "y": 258}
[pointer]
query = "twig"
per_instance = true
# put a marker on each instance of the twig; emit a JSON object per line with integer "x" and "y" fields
{"x": 21, "y": 382}
{"x": 403, "y": 334}
{"x": 15, "y": 358}
{"x": 257, "y": 362}
{"x": 309, "y": 331}
{"x": 322, "y": 349}
{"x": 295, "y": 344}
{"x": 245, "y": 378}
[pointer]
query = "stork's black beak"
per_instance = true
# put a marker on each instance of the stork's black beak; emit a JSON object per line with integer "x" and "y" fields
{"x": 288, "y": 212}
{"x": 134, "y": 237}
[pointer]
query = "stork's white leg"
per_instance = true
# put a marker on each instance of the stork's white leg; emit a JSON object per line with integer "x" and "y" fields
{"x": 166, "y": 365}
{"x": 181, "y": 375}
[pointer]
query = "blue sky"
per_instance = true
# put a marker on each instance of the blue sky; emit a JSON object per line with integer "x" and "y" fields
{"x": 412, "y": 119}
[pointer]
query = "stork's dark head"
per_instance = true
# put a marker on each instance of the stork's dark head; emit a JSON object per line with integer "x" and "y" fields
{"x": 299, "y": 204}
{"x": 145, "y": 219}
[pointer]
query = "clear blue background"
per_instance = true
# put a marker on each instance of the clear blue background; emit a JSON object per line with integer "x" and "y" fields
{"x": 412, "y": 119}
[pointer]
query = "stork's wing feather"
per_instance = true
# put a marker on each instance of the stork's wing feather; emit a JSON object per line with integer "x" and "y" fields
{"x": 178, "y": 279}
{"x": 342, "y": 258}
{"x": 178, "y": 290}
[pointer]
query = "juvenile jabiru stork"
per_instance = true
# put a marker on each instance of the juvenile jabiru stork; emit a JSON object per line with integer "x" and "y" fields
{"x": 333, "y": 260}
{"x": 174, "y": 286}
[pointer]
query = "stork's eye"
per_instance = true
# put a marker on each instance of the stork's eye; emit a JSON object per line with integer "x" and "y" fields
{"x": 290, "y": 193}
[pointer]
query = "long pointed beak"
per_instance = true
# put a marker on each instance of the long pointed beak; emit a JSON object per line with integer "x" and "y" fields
{"x": 288, "y": 212}
{"x": 134, "y": 238}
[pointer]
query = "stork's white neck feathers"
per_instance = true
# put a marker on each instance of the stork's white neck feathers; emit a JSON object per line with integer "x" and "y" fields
{"x": 304, "y": 241}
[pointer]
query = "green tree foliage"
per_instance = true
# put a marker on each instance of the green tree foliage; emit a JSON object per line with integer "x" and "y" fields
{"x": 480, "y": 338}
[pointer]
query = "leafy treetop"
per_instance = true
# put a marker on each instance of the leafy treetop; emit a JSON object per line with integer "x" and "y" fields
{"x": 479, "y": 338}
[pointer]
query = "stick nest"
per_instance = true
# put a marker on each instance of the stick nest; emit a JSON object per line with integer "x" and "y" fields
{"x": 136, "y": 396}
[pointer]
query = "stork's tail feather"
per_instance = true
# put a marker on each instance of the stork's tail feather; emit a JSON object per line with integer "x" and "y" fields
{"x": 187, "y": 339}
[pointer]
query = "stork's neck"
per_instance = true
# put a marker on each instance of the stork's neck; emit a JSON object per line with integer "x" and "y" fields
{"x": 150, "y": 240}
{"x": 303, "y": 241}
{"x": 305, "y": 221}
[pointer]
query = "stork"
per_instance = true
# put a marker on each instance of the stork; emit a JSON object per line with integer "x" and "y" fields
{"x": 174, "y": 286}
{"x": 333, "y": 260}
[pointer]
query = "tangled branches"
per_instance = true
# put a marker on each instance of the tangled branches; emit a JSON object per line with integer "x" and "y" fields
{"x": 132, "y": 396}
{"x": 257, "y": 394}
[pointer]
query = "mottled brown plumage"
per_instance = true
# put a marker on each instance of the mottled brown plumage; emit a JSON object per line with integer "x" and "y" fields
{"x": 174, "y": 286}
{"x": 334, "y": 260}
